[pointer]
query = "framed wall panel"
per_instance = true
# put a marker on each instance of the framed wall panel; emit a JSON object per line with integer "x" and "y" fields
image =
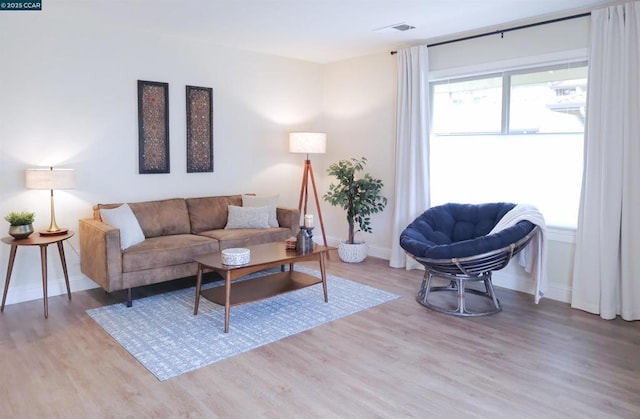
{"x": 199, "y": 129}
{"x": 153, "y": 127}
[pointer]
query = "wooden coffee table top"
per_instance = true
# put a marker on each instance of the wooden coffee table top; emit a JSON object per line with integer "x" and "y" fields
{"x": 262, "y": 254}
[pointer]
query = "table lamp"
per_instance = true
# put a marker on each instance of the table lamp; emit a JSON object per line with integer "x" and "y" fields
{"x": 51, "y": 179}
{"x": 309, "y": 143}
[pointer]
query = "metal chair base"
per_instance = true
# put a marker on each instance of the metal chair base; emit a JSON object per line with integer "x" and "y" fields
{"x": 457, "y": 285}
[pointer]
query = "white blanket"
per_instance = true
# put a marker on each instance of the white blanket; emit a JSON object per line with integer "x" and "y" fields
{"x": 533, "y": 258}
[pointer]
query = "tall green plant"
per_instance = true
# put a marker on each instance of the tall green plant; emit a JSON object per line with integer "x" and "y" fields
{"x": 359, "y": 197}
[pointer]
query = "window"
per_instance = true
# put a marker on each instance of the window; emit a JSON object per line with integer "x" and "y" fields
{"x": 541, "y": 100}
{"x": 512, "y": 136}
{"x": 550, "y": 100}
{"x": 467, "y": 106}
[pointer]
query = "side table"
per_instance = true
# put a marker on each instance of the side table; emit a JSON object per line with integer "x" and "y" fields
{"x": 42, "y": 241}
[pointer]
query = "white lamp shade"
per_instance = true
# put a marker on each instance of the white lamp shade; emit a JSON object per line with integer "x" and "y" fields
{"x": 51, "y": 178}
{"x": 308, "y": 142}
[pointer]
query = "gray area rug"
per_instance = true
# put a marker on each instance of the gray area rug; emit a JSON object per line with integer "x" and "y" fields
{"x": 162, "y": 333}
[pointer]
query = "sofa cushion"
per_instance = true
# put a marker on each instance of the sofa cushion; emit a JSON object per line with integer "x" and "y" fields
{"x": 162, "y": 218}
{"x": 247, "y": 217}
{"x": 125, "y": 220}
{"x": 248, "y": 236}
{"x": 159, "y": 252}
{"x": 210, "y": 213}
{"x": 263, "y": 201}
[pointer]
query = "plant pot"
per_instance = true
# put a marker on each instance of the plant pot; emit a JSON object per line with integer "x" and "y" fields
{"x": 353, "y": 253}
{"x": 21, "y": 232}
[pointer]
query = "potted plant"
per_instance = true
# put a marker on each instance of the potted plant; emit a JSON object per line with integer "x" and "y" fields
{"x": 360, "y": 196}
{"x": 21, "y": 224}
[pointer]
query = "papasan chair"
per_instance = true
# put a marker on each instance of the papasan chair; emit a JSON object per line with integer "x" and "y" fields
{"x": 455, "y": 242}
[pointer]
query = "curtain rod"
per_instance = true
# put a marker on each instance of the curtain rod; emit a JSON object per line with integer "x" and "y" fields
{"x": 502, "y": 31}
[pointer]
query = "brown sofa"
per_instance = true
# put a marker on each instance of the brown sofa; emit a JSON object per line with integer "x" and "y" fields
{"x": 175, "y": 231}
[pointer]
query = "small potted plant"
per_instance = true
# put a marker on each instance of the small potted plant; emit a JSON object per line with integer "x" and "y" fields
{"x": 21, "y": 224}
{"x": 360, "y": 196}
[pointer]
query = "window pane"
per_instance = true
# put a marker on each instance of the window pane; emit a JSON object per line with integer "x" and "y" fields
{"x": 542, "y": 170}
{"x": 463, "y": 107}
{"x": 549, "y": 101}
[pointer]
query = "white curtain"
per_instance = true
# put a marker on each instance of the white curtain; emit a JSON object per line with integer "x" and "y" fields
{"x": 606, "y": 277}
{"x": 412, "y": 147}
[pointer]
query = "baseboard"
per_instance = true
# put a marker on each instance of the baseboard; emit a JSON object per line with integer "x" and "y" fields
{"x": 510, "y": 281}
{"x": 375, "y": 251}
{"x": 505, "y": 278}
{"x": 20, "y": 293}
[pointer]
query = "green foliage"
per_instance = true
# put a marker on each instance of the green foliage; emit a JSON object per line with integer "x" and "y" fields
{"x": 22, "y": 218}
{"x": 358, "y": 196}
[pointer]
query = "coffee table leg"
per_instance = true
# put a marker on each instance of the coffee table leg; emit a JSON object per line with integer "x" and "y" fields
{"x": 198, "y": 286}
{"x": 323, "y": 275}
{"x": 227, "y": 300}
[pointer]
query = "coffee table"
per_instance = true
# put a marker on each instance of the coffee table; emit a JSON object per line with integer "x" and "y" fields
{"x": 263, "y": 256}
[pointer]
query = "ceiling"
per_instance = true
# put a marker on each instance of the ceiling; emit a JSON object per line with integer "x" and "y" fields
{"x": 320, "y": 31}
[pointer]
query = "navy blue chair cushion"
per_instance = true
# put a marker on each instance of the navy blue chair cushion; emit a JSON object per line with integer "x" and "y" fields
{"x": 460, "y": 230}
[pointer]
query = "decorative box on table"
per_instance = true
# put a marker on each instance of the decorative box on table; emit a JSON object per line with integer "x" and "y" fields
{"x": 236, "y": 256}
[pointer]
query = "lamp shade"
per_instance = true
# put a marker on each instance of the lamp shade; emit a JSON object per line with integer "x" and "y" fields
{"x": 51, "y": 178}
{"x": 308, "y": 142}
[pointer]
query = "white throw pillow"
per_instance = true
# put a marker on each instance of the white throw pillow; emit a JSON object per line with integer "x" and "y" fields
{"x": 264, "y": 201}
{"x": 125, "y": 220}
{"x": 247, "y": 217}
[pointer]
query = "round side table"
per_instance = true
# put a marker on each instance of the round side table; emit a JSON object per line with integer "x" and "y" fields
{"x": 42, "y": 241}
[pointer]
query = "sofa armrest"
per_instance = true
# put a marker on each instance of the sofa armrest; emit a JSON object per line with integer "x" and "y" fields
{"x": 100, "y": 254}
{"x": 289, "y": 218}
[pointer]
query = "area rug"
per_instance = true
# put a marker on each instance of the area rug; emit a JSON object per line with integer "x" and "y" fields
{"x": 162, "y": 333}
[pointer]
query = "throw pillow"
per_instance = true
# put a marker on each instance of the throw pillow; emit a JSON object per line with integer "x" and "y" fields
{"x": 124, "y": 219}
{"x": 247, "y": 217}
{"x": 263, "y": 201}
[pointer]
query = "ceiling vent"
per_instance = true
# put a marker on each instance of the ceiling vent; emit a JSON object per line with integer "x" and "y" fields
{"x": 403, "y": 27}
{"x": 397, "y": 27}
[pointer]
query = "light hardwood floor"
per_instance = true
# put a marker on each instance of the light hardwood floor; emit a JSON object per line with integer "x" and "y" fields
{"x": 395, "y": 360}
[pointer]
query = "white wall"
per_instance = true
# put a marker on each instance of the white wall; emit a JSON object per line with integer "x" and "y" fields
{"x": 538, "y": 40}
{"x": 359, "y": 116}
{"x": 68, "y": 98}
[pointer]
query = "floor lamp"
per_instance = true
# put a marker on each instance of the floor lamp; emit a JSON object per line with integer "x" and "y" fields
{"x": 309, "y": 143}
{"x": 50, "y": 179}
